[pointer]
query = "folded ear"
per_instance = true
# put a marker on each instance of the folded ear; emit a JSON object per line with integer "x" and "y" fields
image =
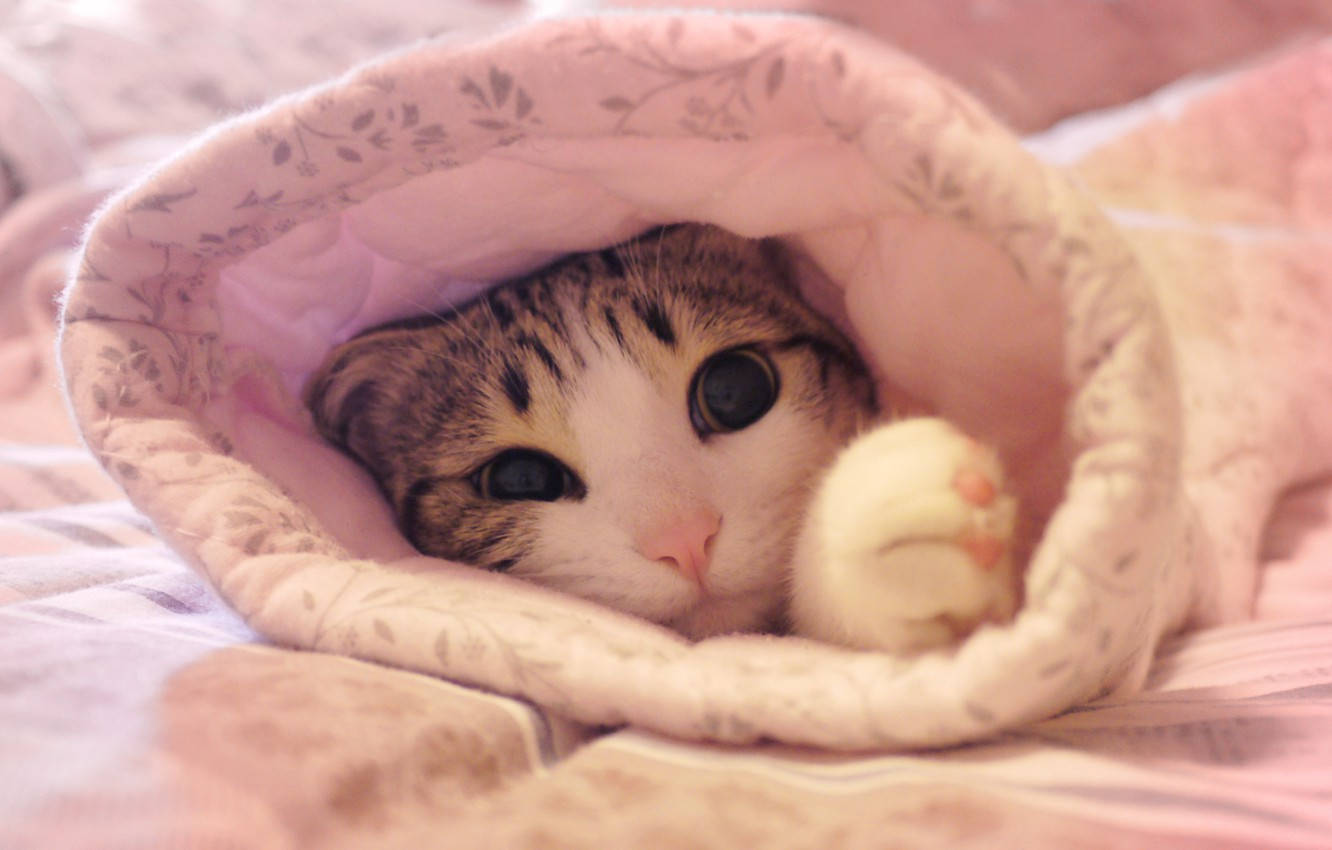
{"x": 777, "y": 257}
{"x": 352, "y": 391}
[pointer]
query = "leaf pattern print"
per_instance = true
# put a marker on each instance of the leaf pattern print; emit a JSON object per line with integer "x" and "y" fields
{"x": 314, "y": 142}
{"x": 932, "y": 189}
{"x": 127, "y": 375}
{"x": 497, "y": 112}
{"x": 161, "y": 201}
{"x": 148, "y": 283}
{"x": 718, "y": 95}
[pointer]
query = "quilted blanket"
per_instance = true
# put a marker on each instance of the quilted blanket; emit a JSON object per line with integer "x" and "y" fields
{"x": 1134, "y": 307}
{"x": 976, "y": 279}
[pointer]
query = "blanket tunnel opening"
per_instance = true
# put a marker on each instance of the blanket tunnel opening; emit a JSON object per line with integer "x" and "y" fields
{"x": 978, "y": 283}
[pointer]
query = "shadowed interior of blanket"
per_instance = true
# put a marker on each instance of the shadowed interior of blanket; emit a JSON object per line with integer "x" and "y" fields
{"x": 976, "y": 279}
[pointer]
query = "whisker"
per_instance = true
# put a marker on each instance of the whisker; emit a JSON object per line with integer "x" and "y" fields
{"x": 656, "y": 268}
{"x": 564, "y": 579}
{"x": 424, "y": 310}
{"x": 461, "y": 322}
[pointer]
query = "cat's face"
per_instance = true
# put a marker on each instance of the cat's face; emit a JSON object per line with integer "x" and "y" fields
{"x": 641, "y": 426}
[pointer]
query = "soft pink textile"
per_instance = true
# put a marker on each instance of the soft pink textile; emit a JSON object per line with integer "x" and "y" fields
{"x": 127, "y": 724}
{"x": 977, "y": 279}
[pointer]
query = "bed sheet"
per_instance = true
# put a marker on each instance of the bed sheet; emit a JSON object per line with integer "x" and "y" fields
{"x": 140, "y": 711}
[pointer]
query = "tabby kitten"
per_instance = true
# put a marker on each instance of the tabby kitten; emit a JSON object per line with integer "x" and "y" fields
{"x": 652, "y": 427}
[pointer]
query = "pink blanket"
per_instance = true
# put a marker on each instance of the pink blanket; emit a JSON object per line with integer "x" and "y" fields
{"x": 975, "y": 278}
{"x": 1226, "y": 745}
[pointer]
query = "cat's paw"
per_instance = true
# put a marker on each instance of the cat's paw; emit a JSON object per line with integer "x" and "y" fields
{"x": 907, "y": 544}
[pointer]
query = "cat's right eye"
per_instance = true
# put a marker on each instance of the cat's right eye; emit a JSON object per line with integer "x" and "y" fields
{"x": 732, "y": 390}
{"x": 524, "y": 474}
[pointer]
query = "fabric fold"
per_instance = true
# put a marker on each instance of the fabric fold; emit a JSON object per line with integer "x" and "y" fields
{"x": 974, "y": 277}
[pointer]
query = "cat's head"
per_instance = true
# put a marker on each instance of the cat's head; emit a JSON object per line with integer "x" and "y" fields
{"x": 641, "y": 426}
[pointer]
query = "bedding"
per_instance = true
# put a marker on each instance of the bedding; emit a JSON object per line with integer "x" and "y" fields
{"x": 207, "y": 730}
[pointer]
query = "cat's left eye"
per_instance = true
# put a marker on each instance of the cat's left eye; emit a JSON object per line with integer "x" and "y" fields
{"x": 732, "y": 390}
{"x": 524, "y": 474}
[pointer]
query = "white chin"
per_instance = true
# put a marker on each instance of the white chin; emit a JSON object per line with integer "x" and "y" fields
{"x": 717, "y": 616}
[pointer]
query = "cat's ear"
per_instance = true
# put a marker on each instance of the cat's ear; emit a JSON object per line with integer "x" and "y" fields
{"x": 780, "y": 263}
{"x": 772, "y": 259}
{"x": 349, "y": 392}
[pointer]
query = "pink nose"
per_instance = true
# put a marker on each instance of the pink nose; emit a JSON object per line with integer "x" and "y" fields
{"x": 683, "y": 542}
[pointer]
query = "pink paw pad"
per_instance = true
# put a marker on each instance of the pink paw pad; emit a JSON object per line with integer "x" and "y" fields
{"x": 985, "y": 549}
{"x": 975, "y": 487}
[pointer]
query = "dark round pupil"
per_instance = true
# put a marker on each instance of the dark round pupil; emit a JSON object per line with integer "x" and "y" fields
{"x": 735, "y": 390}
{"x": 522, "y": 474}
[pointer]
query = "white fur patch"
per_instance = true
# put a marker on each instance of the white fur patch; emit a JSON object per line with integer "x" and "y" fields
{"x": 888, "y": 556}
{"x": 641, "y": 461}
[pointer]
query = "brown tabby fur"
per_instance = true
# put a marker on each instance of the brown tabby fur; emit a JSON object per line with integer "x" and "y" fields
{"x": 423, "y": 403}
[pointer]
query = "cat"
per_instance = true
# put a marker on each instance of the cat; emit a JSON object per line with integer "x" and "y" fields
{"x": 665, "y": 427}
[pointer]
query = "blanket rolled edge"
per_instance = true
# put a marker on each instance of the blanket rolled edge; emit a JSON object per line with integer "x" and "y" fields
{"x": 147, "y": 356}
